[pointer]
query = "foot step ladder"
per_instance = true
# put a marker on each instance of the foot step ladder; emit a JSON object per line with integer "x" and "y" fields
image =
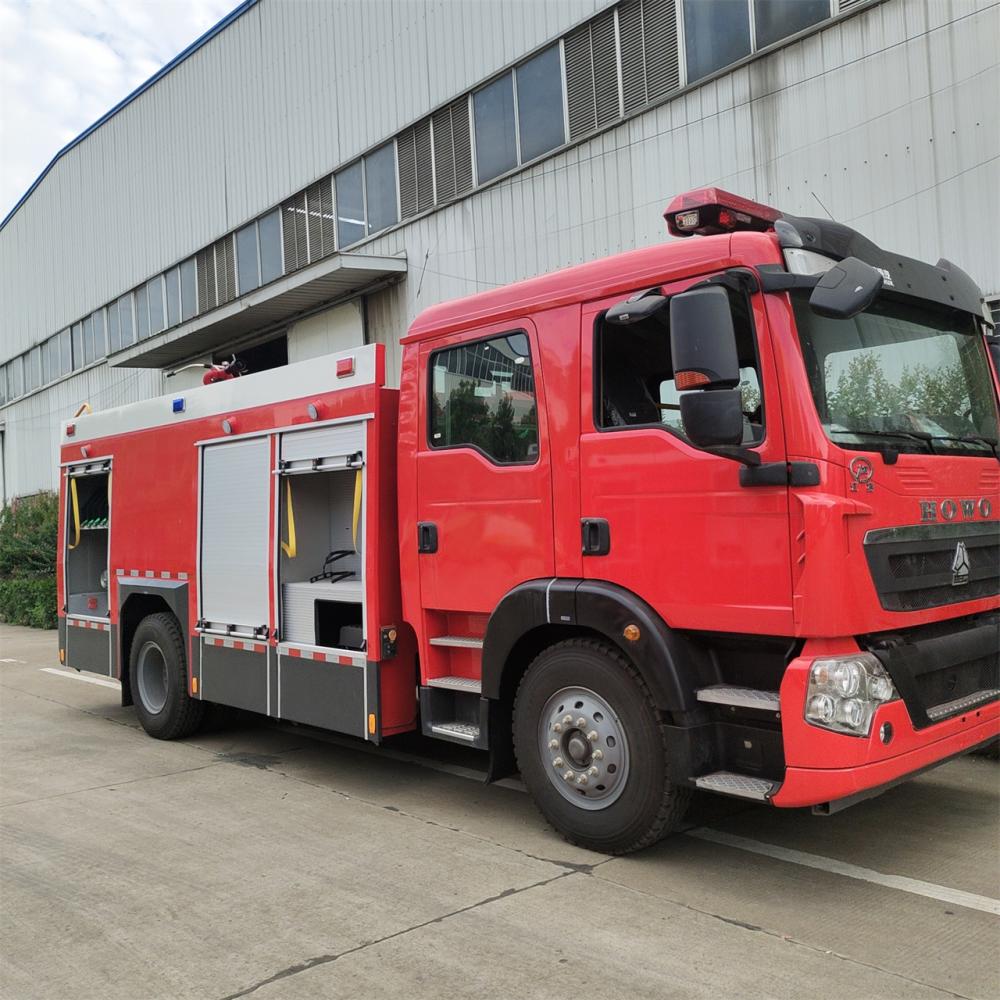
{"x": 740, "y": 786}
{"x": 450, "y": 704}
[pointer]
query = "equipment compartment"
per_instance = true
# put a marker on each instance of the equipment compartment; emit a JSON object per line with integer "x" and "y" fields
{"x": 87, "y": 533}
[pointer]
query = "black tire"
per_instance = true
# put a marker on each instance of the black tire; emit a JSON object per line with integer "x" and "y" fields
{"x": 648, "y": 806}
{"x": 991, "y": 750}
{"x": 159, "y": 682}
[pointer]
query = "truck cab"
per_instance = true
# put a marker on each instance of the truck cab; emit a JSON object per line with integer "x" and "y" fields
{"x": 720, "y": 513}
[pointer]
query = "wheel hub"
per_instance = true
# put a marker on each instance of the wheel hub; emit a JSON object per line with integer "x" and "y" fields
{"x": 583, "y": 745}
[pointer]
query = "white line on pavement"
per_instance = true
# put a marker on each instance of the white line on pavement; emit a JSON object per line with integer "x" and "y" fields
{"x": 74, "y": 676}
{"x": 914, "y": 885}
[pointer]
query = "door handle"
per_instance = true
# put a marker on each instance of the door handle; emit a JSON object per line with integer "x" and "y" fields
{"x": 427, "y": 536}
{"x": 596, "y": 534}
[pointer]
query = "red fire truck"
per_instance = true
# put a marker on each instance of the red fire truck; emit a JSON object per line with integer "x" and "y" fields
{"x": 720, "y": 513}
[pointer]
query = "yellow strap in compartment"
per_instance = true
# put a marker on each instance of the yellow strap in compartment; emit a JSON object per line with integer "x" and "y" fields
{"x": 76, "y": 513}
{"x": 357, "y": 509}
{"x": 289, "y": 548}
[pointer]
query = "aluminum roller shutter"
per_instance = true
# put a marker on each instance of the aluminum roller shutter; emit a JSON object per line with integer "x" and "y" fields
{"x": 236, "y": 494}
{"x": 330, "y": 446}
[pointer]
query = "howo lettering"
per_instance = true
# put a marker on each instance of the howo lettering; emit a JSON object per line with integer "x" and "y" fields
{"x": 653, "y": 523}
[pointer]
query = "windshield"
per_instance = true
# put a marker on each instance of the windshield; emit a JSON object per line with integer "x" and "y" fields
{"x": 910, "y": 377}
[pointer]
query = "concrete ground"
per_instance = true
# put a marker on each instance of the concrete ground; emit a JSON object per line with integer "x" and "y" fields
{"x": 263, "y": 861}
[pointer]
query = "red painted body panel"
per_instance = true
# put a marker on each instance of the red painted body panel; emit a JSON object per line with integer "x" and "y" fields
{"x": 154, "y": 505}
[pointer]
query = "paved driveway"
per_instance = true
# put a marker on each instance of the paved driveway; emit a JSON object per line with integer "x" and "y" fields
{"x": 264, "y": 861}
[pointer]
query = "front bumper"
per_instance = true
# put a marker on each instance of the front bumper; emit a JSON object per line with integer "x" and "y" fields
{"x": 823, "y": 766}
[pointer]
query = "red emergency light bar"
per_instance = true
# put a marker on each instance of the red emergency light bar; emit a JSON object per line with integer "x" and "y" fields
{"x": 709, "y": 211}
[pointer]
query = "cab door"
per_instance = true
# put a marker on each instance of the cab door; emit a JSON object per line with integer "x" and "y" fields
{"x": 667, "y": 521}
{"x": 484, "y": 482}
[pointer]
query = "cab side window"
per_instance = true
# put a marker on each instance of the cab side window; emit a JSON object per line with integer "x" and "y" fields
{"x": 482, "y": 396}
{"x": 634, "y": 378}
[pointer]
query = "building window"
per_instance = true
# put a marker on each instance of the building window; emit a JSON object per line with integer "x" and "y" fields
{"x": 77, "y": 345}
{"x": 125, "y": 320}
{"x": 269, "y": 239}
{"x": 540, "y": 104}
{"x": 172, "y": 286}
{"x": 50, "y": 360}
{"x": 15, "y": 376}
{"x": 189, "y": 289}
{"x": 32, "y": 369}
{"x": 482, "y": 396}
{"x": 716, "y": 33}
{"x": 141, "y": 313}
{"x": 247, "y": 258}
{"x": 114, "y": 329}
{"x": 154, "y": 292}
{"x": 380, "y": 188}
{"x": 519, "y": 116}
{"x": 777, "y": 19}
{"x": 100, "y": 341}
{"x": 496, "y": 137}
{"x": 350, "y": 205}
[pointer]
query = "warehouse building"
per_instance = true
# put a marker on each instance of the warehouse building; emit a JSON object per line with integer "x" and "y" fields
{"x": 308, "y": 176}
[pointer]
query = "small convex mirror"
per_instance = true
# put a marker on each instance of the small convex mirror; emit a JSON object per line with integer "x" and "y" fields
{"x": 848, "y": 288}
{"x": 636, "y": 308}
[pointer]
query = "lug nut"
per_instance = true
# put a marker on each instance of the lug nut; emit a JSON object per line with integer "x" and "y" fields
{"x": 581, "y": 779}
{"x": 567, "y": 720}
{"x": 553, "y": 744}
{"x": 567, "y": 776}
{"x": 557, "y": 727}
{"x": 598, "y": 754}
{"x": 592, "y": 736}
{"x": 581, "y": 723}
{"x": 592, "y": 771}
{"x": 558, "y": 762}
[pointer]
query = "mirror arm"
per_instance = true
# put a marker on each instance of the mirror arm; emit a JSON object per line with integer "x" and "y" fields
{"x": 742, "y": 455}
{"x": 737, "y": 279}
{"x": 782, "y": 281}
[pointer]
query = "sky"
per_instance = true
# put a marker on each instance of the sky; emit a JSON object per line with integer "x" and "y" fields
{"x": 64, "y": 63}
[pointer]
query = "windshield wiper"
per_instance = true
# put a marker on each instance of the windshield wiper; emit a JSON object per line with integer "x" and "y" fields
{"x": 990, "y": 443}
{"x": 920, "y": 436}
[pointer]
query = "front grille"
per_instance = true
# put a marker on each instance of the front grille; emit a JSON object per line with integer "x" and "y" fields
{"x": 944, "y": 669}
{"x": 913, "y": 567}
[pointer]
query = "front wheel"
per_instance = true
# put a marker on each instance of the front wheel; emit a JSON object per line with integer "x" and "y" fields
{"x": 158, "y": 678}
{"x": 592, "y": 749}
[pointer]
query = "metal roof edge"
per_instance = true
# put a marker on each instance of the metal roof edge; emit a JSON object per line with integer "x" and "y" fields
{"x": 142, "y": 88}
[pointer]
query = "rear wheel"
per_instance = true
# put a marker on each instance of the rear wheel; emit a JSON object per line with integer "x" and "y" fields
{"x": 592, "y": 749}
{"x": 159, "y": 682}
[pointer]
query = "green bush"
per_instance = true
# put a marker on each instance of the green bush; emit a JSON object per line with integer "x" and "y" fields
{"x": 28, "y": 529}
{"x": 29, "y": 602}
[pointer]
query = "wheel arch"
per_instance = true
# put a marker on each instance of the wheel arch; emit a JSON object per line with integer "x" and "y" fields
{"x": 136, "y": 602}
{"x": 539, "y": 613}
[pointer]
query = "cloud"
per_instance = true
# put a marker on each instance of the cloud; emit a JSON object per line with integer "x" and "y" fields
{"x": 64, "y": 63}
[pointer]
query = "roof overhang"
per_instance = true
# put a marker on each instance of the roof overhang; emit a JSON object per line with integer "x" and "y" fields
{"x": 334, "y": 278}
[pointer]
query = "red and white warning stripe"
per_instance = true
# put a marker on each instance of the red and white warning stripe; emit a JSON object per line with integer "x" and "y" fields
{"x": 246, "y": 645}
{"x": 321, "y": 657}
{"x": 151, "y": 574}
{"x": 86, "y": 623}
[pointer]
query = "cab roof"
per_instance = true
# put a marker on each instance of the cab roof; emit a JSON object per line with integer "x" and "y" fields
{"x": 624, "y": 272}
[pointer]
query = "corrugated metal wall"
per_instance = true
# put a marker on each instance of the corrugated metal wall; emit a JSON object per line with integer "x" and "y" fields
{"x": 888, "y": 119}
{"x": 287, "y": 92}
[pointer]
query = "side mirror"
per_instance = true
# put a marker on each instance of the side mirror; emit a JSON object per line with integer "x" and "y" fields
{"x": 848, "y": 288}
{"x": 713, "y": 419}
{"x": 703, "y": 350}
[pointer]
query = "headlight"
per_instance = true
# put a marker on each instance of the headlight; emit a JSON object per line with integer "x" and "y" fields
{"x": 845, "y": 691}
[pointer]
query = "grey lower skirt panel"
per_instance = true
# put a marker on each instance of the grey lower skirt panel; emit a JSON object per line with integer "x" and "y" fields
{"x": 319, "y": 693}
{"x": 88, "y": 647}
{"x": 236, "y": 677}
